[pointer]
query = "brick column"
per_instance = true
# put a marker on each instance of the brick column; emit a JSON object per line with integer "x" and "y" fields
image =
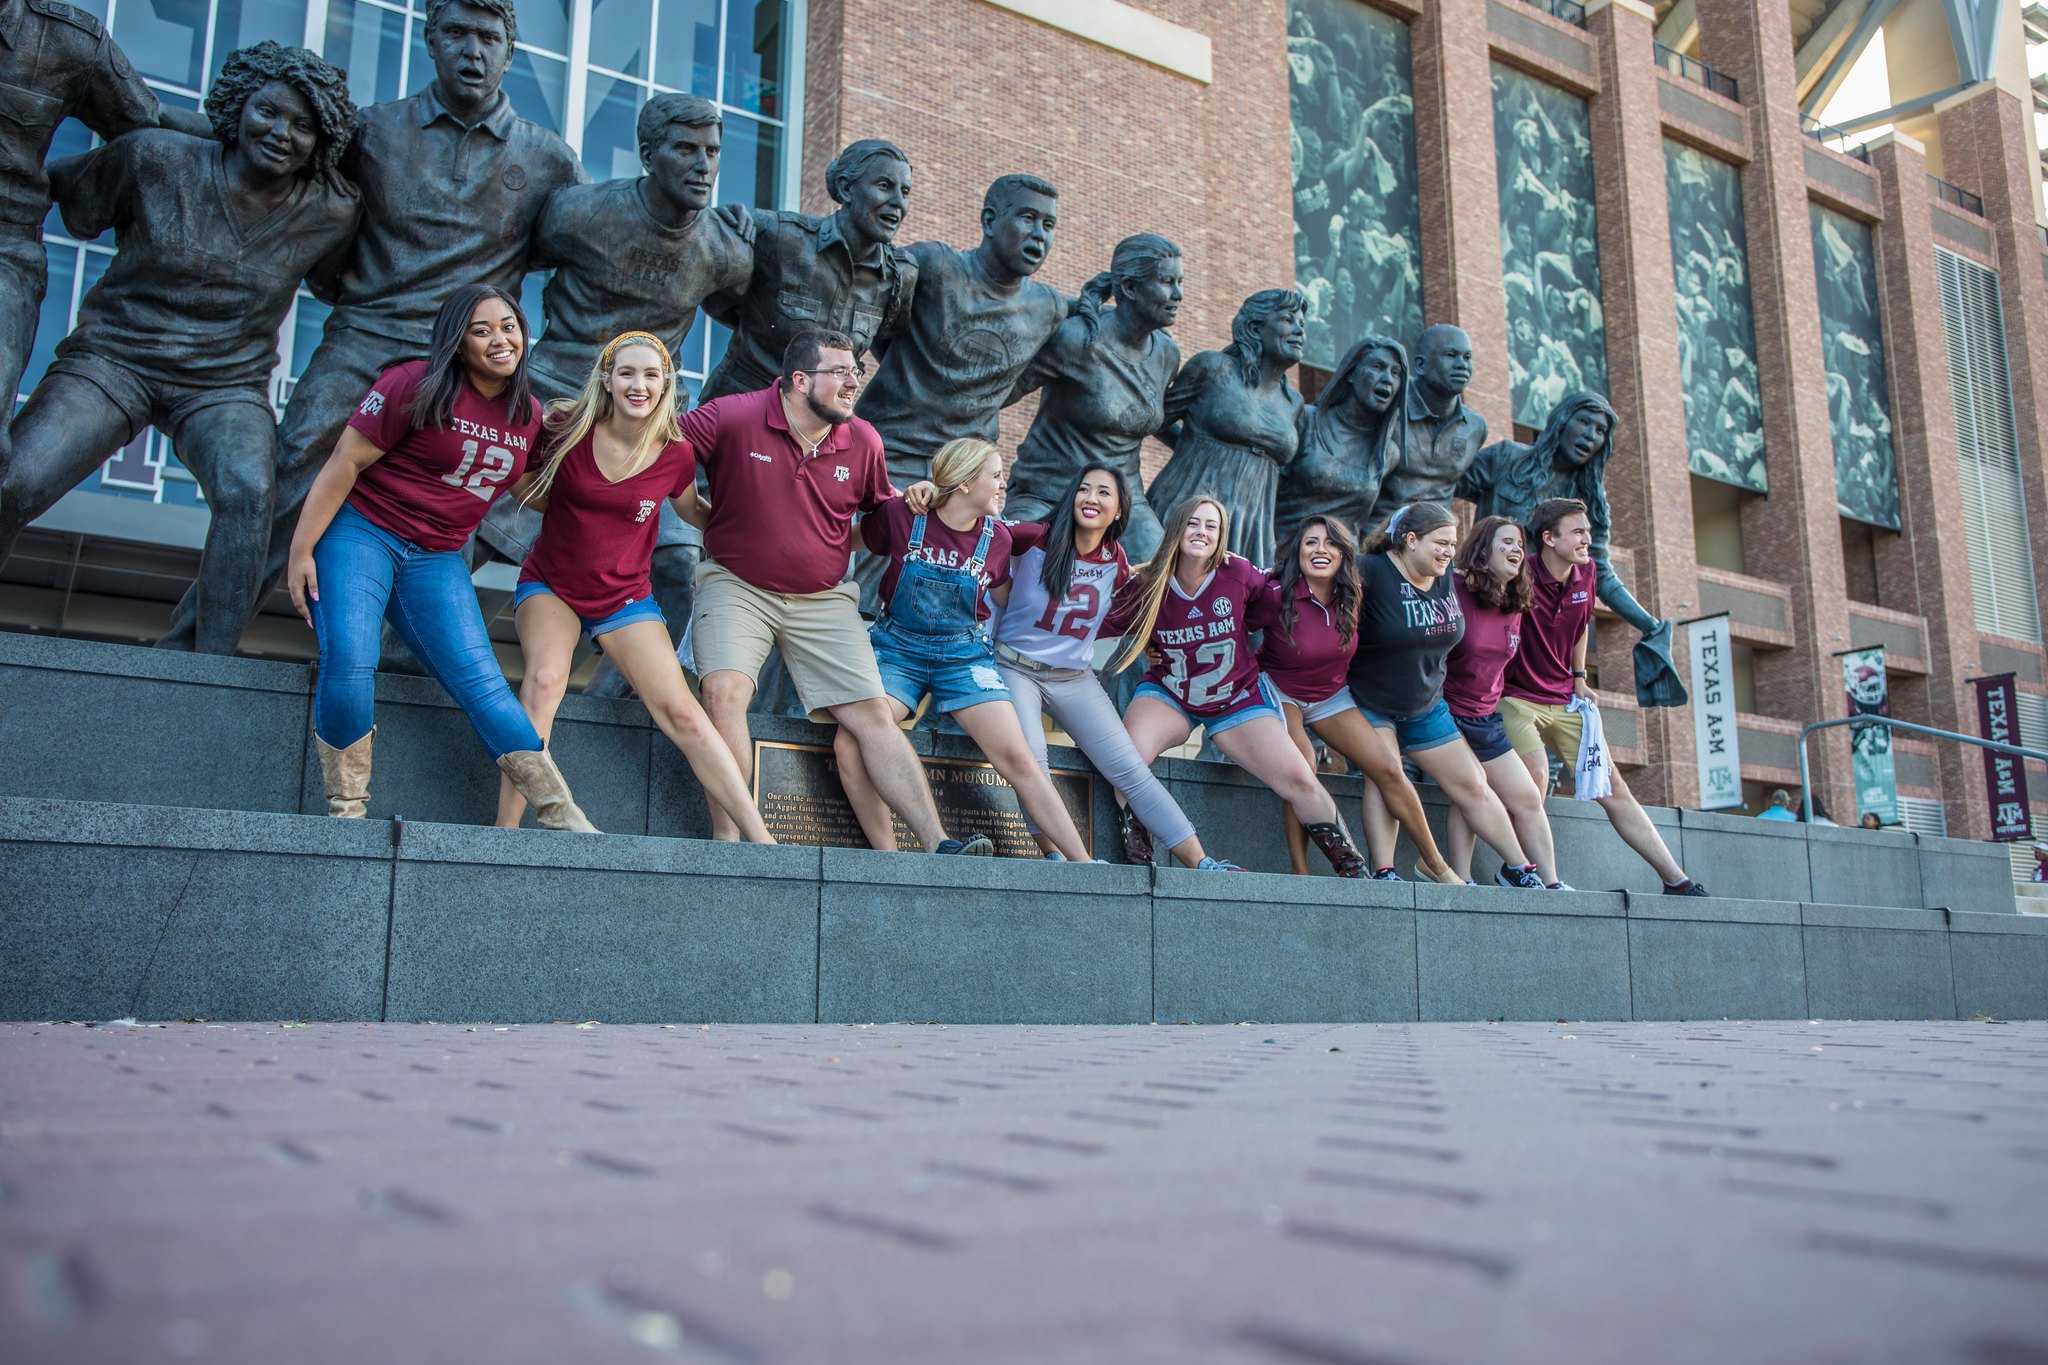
{"x": 1929, "y": 560}
{"x": 1986, "y": 149}
{"x": 1648, "y": 486}
{"x": 1794, "y": 535}
{"x": 1454, "y": 160}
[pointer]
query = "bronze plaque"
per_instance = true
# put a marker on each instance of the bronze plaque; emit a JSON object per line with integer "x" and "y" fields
{"x": 797, "y": 788}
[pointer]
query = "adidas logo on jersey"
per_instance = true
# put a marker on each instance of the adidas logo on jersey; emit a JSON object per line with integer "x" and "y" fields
{"x": 1194, "y": 611}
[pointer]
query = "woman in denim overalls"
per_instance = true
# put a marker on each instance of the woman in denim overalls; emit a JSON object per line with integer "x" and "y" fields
{"x": 932, "y": 639}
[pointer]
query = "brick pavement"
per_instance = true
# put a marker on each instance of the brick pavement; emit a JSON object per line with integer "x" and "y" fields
{"x": 1359, "y": 1194}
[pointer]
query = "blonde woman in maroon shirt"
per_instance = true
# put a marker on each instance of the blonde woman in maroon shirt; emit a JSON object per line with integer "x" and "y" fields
{"x": 1306, "y": 654}
{"x": 613, "y": 454}
{"x": 1491, "y": 573}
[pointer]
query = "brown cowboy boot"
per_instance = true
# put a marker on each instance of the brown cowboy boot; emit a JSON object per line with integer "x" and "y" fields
{"x": 1335, "y": 841}
{"x": 345, "y": 774}
{"x": 534, "y": 773}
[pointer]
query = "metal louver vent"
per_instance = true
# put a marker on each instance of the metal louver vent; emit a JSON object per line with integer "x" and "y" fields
{"x": 1994, "y": 504}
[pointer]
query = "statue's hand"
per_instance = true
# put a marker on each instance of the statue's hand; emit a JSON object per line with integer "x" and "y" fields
{"x": 739, "y": 218}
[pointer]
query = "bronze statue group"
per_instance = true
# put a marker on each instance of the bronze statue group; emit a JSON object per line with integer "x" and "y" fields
{"x": 432, "y": 426}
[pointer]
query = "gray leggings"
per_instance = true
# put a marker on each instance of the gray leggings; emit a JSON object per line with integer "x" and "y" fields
{"x": 1077, "y": 701}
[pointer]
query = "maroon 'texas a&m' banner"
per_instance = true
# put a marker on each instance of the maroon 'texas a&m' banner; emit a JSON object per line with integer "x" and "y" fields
{"x": 2004, "y": 783}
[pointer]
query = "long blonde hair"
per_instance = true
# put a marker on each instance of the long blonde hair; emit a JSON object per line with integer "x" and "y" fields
{"x": 1161, "y": 568}
{"x": 958, "y": 463}
{"x": 569, "y": 420}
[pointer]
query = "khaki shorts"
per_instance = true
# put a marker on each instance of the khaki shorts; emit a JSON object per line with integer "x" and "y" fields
{"x": 1534, "y": 726}
{"x": 824, "y": 641}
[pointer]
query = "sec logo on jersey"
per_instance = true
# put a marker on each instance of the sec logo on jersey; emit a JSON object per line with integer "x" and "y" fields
{"x": 1221, "y": 606}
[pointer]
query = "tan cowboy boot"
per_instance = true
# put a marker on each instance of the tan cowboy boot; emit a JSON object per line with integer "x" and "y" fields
{"x": 534, "y": 773}
{"x": 345, "y": 773}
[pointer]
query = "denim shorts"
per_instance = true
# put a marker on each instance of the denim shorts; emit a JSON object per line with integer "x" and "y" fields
{"x": 639, "y": 609}
{"x": 956, "y": 672}
{"x": 1487, "y": 734}
{"x": 1336, "y": 704}
{"x": 1425, "y": 730}
{"x": 1265, "y": 703}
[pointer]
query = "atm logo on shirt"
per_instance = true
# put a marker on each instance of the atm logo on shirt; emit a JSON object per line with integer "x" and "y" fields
{"x": 842, "y": 473}
{"x": 647, "y": 506}
{"x": 373, "y": 403}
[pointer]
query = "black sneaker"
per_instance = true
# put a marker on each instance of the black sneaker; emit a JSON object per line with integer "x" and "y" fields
{"x": 1688, "y": 888}
{"x": 980, "y": 846}
{"x": 1526, "y": 878}
{"x": 1386, "y": 874}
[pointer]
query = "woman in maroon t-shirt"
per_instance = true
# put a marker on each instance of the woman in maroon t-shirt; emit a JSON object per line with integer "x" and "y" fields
{"x": 1492, "y": 578}
{"x": 1306, "y": 654}
{"x": 614, "y": 455}
{"x": 1195, "y": 608}
{"x": 382, "y": 530}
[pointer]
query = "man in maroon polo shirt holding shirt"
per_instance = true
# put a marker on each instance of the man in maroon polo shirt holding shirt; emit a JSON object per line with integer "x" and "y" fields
{"x": 789, "y": 466}
{"x": 1549, "y": 669}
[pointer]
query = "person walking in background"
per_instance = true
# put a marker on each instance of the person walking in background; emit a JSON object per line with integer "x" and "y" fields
{"x": 1494, "y": 587}
{"x": 1780, "y": 807}
{"x": 1408, "y": 623}
{"x": 1547, "y": 677}
{"x": 381, "y": 536}
{"x": 614, "y": 456}
{"x": 933, "y": 639}
{"x": 1305, "y": 654}
{"x": 788, "y": 467}
{"x": 1064, "y": 576}
{"x": 1195, "y": 610}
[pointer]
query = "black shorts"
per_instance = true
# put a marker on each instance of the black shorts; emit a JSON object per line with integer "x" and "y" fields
{"x": 1488, "y": 735}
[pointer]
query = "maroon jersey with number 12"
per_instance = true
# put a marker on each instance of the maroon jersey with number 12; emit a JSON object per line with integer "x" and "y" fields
{"x": 1206, "y": 660}
{"x": 434, "y": 484}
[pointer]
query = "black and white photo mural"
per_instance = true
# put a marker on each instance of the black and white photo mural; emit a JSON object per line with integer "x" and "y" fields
{"x": 1852, "y": 350}
{"x": 1357, "y": 223}
{"x": 1724, "y": 416}
{"x": 1549, "y": 245}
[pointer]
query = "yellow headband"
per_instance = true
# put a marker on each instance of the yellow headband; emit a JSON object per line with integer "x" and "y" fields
{"x": 604, "y": 361}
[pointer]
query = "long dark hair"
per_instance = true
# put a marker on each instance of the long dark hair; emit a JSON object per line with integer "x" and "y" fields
{"x": 434, "y": 405}
{"x": 1518, "y": 594}
{"x": 1344, "y": 593}
{"x": 1058, "y": 570}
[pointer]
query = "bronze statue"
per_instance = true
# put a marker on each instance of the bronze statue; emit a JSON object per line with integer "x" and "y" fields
{"x": 976, "y": 321}
{"x": 1569, "y": 460}
{"x": 452, "y": 182}
{"x": 1349, "y": 436}
{"x": 1231, "y": 421}
{"x": 841, "y": 272}
{"x": 56, "y": 62}
{"x": 213, "y": 237}
{"x": 1440, "y": 436}
{"x": 1104, "y": 377}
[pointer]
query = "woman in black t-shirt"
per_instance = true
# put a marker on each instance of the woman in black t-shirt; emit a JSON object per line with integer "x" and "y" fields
{"x": 1408, "y": 621}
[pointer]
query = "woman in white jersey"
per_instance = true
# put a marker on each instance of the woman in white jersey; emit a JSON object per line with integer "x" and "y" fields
{"x": 1063, "y": 577}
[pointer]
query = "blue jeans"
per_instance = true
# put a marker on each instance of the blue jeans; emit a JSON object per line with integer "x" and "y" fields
{"x": 368, "y": 575}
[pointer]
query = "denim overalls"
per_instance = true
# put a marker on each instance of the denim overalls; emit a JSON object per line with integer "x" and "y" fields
{"x": 929, "y": 638}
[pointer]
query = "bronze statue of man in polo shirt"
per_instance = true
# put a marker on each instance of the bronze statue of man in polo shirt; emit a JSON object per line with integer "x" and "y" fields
{"x": 1440, "y": 435}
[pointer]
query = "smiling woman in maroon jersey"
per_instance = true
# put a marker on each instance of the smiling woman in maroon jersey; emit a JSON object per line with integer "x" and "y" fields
{"x": 1196, "y": 612}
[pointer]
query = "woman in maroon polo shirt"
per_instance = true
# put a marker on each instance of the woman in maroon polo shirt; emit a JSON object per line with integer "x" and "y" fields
{"x": 1492, "y": 579}
{"x": 1306, "y": 654}
{"x": 381, "y": 535}
{"x": 614, "y": 455}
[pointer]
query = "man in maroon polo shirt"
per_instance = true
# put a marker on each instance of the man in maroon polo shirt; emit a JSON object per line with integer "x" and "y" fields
{"x": 789, "y": 466}
{"x": 1549, "y": 669}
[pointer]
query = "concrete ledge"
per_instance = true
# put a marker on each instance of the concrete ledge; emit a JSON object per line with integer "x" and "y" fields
{"x": 1520, "y": 966}
{"x": 163, "y": 913}
{"x": 1873, "y": 962}
{"x": 1711, "y": 910}
{"x": 1747, "y": 858}
{"x": 1501, "y": 900}
{"x": 516, "y": 925}
{"x": 1590, "y": 855}
{"x": 1864, "y": 867}
{"x": 1964, "y": 874}
{"x": 973, "y": 940}
{"x": 1230, "y": 946}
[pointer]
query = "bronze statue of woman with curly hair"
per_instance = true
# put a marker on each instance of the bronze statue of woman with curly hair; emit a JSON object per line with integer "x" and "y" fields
{"x": 212, "y": 240}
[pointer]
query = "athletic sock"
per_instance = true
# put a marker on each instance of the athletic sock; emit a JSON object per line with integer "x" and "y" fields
{"x": 1679, "y": 885}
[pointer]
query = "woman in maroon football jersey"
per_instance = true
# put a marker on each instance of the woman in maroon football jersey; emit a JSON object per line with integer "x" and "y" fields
{"x": 382, "y": 531}
{"x": 1492, "y": 577}
{"x": 1306, "y": 655}
{"x": 1196, "y": 610}
{"x": 614, "y": 455}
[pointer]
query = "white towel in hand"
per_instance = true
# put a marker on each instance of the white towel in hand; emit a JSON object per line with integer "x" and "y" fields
{"x": 1593, "y": 775}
